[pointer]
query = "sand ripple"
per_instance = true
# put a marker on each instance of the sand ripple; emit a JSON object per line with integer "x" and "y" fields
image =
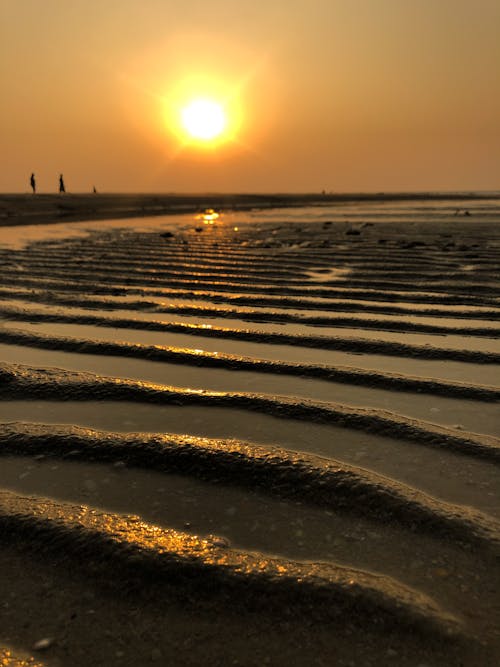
{"x": 267, "y": 323}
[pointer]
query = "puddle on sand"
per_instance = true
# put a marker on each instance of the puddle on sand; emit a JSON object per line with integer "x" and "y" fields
{"x": 323, "y": 274}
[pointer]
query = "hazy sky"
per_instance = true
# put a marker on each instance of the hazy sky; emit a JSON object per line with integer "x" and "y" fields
{"x": 342, "y": 95}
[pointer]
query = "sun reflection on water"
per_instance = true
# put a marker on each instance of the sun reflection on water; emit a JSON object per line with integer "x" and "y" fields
{"x": 209, "y": 216}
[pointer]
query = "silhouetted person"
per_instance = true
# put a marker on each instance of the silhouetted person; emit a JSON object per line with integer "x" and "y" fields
{"x": 62, "y": 189}
{"x": 94, "y": 190}
{"x": 33, "y": 183}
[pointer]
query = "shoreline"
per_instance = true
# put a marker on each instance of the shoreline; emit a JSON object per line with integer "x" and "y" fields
{"x": 29, "y": 209}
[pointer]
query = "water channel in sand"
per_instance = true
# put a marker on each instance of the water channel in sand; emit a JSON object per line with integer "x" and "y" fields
{"x": 476, "y": 416}
{"x": 485, "y": 374}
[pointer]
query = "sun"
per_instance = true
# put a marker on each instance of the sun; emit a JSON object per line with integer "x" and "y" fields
{"x": 204, "y": 119}
{"x": 204, "y": 115}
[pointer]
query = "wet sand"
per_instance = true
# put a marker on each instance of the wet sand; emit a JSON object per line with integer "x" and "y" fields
{"x": 250, "y": 444}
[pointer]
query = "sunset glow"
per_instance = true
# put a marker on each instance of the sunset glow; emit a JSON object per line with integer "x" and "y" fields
{"x": 236, "y": 97}
{"x": 202, "y": 113}
{"x": 204, "y": 119}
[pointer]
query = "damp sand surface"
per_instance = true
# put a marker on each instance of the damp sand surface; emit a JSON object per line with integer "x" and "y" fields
{"x": 383, "y": 248}
{"x": 444, "y": 474}
{"x": 249, "y": 520}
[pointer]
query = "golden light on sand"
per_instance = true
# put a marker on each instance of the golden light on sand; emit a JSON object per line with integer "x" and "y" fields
{"x": 204, "y": 119}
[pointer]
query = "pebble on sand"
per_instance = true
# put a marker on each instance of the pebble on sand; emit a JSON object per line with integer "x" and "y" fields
{"x": 43, "y": 644}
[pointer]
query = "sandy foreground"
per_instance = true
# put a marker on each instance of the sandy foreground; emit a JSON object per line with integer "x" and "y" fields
{"x": 251, "y": 444}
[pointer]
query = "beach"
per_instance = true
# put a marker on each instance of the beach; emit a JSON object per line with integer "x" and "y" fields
{"x": 249, "y": 431}
{"x": 23, "y": 209}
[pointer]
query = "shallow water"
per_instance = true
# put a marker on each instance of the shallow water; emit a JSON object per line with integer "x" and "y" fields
{"x": 448, "y": 341}
{"x": 405, "y": 212}
{"x": 111, "y": 308}
{"x": 20, "y": 236}
{"x": 472, "y": 415}
{"x": 487, "y": 374}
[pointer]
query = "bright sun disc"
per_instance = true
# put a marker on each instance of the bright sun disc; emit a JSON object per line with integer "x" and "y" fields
{"x": 203, "y": 119}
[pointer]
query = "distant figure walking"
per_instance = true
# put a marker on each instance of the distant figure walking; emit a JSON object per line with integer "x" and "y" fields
{"x": 33, "y": 183}
{"x": 62, "y": 189}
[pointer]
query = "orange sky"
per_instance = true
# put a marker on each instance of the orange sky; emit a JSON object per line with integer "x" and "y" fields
{"x": 342, "y": 95}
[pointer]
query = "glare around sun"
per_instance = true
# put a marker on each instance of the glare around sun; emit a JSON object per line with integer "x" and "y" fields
{"x": 203, "y": 119}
